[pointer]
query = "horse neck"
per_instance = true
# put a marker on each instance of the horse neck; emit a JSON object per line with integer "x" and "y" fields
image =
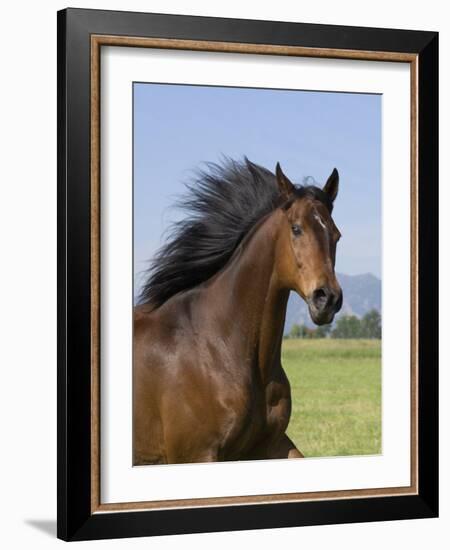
{"x": 253, "y": 302}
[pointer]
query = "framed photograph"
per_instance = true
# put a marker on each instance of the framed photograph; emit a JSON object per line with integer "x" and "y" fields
{"x": 247, "y": 253}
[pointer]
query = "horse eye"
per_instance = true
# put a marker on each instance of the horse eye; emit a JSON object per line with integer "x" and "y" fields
{"x": 296, "y": 230}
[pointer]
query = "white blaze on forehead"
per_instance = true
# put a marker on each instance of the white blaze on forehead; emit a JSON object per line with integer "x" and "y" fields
{"x": 319, "y": 219}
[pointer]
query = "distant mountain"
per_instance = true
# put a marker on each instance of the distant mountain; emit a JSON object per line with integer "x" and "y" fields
{"x": 361, "y": 294}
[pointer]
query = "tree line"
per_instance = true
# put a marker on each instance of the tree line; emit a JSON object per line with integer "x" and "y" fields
{"x": 347, "y": 326}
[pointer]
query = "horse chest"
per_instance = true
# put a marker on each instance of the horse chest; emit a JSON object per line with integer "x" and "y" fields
{"x": 263, "y": 414}
{"x": 278, "y": 406}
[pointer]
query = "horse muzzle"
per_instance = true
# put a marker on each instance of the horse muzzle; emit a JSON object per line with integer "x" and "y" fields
{"x": 324, "y": 303}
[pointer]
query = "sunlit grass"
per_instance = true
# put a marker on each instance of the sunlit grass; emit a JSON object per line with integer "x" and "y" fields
{"x": 336, "y": 395}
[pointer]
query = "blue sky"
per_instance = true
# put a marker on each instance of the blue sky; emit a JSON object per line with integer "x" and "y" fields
{"x": 177, "y": 127}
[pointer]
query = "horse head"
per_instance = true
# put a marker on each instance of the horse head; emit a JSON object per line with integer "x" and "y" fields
{"x": 308, "y": 242}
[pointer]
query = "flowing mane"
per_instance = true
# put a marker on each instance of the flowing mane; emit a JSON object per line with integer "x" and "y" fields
{"x": 223, "y": 203}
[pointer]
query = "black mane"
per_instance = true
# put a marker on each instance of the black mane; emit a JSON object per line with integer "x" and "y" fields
{"x": 223, "y": 204}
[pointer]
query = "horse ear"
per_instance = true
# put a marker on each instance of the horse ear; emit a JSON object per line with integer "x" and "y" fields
{"x": 332, "y": 186}
{"x": 284, "y": 184}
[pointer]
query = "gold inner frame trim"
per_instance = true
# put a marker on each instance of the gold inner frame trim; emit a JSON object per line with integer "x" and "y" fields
{"x": 97, "y": 41}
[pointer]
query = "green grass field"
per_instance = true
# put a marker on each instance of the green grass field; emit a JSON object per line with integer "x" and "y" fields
{"x": 336, "y": 395}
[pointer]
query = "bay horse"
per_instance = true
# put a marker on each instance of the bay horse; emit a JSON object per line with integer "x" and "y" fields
{"x": 208, "y": 384}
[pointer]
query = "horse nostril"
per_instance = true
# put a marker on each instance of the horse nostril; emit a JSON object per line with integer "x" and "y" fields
{"x": 320, "y": 298}
{"x": 325, "y": 298}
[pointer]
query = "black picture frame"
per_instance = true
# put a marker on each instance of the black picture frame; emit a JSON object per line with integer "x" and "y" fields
{"x": 75, "y": 518}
